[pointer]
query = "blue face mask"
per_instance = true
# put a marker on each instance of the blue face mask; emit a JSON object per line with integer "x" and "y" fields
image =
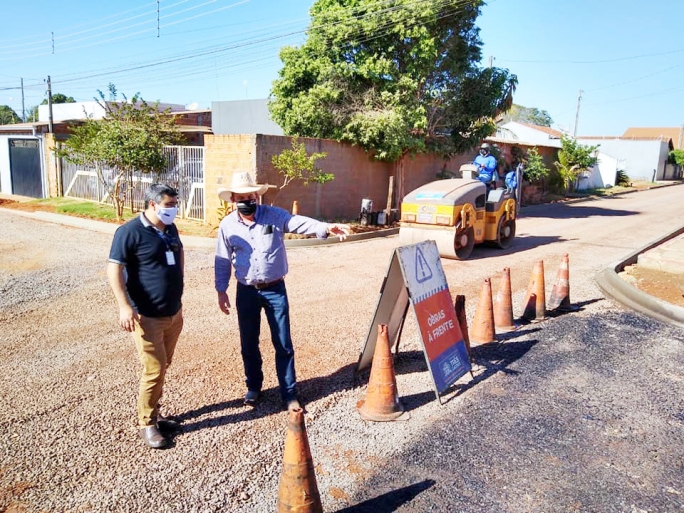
{"x": 247, "y": 207}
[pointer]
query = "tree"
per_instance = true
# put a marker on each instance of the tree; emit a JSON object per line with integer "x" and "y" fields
{"x": 530, "y": 115}
{"x": 8, "y": 116}
{"x": 297, "y": 164}
{"x": 573, "y": 158}
{"x": 395, "y": 79}
{"x": 59, "y": 98}
{"x": 130, "y": 137}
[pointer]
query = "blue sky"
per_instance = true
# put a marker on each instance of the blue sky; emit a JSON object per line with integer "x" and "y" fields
{"x": 625, "y": 56}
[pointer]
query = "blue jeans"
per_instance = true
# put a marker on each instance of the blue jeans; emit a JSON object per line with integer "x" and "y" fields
{"x": 249, "y": 303}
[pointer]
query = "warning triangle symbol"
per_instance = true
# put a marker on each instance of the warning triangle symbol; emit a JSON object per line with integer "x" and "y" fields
{"x": 423, "y": 271}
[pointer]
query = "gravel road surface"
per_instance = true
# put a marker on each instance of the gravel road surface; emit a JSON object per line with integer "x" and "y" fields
{"x": 582, "y": 412}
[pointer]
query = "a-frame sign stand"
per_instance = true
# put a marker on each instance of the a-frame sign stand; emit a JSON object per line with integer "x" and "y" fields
{"x": 415, "y": 277}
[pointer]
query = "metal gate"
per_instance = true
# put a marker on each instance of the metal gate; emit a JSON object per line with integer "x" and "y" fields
{"x": 184, "y": 171}
{"x": 27, "y": 178}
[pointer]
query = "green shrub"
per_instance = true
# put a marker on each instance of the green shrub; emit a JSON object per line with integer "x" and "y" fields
{"x": 535, "y": 170}
{"x": 621, "y": 178}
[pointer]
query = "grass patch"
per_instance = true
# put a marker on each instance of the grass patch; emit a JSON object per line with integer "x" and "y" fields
{"x": 102, "y": 212}
{"x": 90, "y": 209}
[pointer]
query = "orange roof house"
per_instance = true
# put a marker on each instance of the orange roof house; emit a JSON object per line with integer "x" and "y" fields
{"x": 676, "y": 134}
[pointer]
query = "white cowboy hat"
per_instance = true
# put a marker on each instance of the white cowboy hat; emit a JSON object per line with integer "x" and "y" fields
{"x": 242, "y": 183}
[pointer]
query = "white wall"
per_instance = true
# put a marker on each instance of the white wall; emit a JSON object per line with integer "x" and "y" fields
{"x": 81, "y": 110}
{"x": 640, "y": 158}
{"x": 515, "y": 131}
{"x": 5, "y": 174}
{"x": 601, "y": 175}
{"x": 243, "y": 117}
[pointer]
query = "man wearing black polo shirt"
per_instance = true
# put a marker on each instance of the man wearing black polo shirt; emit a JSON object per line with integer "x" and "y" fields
{"x": 145, "y": 272}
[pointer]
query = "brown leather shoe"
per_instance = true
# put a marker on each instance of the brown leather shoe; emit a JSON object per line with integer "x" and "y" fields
{"x": 153, "y": 438}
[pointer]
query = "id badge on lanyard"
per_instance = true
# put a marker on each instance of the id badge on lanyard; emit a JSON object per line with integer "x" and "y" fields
{"x": 170, "y": 257}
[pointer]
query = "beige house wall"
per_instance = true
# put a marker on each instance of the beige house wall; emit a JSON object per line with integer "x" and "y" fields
{"x": 54, "y": 188}
{"x": 224, "y": 155}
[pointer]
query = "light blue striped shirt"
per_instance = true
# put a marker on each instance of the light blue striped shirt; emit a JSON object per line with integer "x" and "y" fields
{"x": 257, "y": 251}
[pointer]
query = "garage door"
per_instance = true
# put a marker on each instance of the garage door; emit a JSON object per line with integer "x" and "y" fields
{"x": 25, "y": 168}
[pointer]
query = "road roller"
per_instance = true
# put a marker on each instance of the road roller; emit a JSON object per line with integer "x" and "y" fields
{"x": 458, "y": 213}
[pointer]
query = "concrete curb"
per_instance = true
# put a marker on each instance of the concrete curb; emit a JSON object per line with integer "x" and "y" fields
{"x": 631, "y": 297}
{"x": 597, "y": 197}
{"x": 77, "y": 222}
{"x": 295, "y": 243}
{"x": 189, "y": 241}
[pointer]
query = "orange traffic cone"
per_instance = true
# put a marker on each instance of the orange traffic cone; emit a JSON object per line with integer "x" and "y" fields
{"x": 503, "y": 304}
{"x": 298, "y": 490}
{"x": 535, "y": 299}
{"x": 382, "y": 403}
{"x": 295, "y": 207}
{"x": 459, "y": 306}
{"x": 560, "y": 295}
{"x": 482, "y": 331}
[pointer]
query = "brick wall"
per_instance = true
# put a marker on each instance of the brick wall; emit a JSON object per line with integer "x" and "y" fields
{"x": 356, "y": 175}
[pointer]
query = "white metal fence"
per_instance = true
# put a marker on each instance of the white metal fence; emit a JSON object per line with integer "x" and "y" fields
{"x": 184, "y": 171}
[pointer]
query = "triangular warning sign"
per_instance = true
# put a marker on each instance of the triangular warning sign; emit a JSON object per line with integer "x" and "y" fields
{"x": 423, "y": 271}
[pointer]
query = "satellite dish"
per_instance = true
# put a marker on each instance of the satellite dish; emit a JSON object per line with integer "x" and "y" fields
{"x": 193, "y": 106}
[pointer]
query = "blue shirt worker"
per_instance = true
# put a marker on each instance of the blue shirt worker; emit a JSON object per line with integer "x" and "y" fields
{"x": 486, "y": 164}
{"x": 251, "y": 240}
{"x": 145, "y": 272}
{"x": 511, "y": 181}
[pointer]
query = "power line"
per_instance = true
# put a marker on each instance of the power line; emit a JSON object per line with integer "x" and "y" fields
{"x": 204, "y": 60}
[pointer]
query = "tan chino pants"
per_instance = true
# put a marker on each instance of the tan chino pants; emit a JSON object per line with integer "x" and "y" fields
{"x": 155, "y": 339}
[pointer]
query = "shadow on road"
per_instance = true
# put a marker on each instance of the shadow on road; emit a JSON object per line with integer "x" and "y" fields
{"x": 269, "y": 403}
{"x": 390, "y": 501}
{"x": 572, "y": 211}
{"x": 520, "y": 243}
{"x": 491, "y": 358}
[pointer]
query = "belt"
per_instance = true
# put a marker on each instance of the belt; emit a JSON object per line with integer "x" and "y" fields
{"x": 266, "y": 284}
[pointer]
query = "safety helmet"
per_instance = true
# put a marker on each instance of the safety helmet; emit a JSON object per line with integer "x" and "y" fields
{"x": 484, "y": 146}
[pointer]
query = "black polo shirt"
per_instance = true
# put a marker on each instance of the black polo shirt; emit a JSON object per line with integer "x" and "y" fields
{"x": 154, "y": 286}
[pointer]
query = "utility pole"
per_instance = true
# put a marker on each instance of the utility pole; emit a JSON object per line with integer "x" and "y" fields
{"x": 579, "y": 98}
{"x": 681, "y": 135}
{"x": 49, "y": 99}
{"x": 491, "y": 61}
{"x": 23, "y": 108}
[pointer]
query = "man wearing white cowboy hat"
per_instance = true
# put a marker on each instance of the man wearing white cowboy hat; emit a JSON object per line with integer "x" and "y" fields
{"x": 251, "y": 240}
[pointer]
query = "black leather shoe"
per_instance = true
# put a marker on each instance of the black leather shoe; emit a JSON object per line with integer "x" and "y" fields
{"x": 168, "y": 424}
{"x": 251, "y": 398}
{"x": 153, "y": 438}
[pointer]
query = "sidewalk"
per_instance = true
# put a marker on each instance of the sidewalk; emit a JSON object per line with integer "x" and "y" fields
{"x": 665, "y": 254}
{"x": 189, "y": 241}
